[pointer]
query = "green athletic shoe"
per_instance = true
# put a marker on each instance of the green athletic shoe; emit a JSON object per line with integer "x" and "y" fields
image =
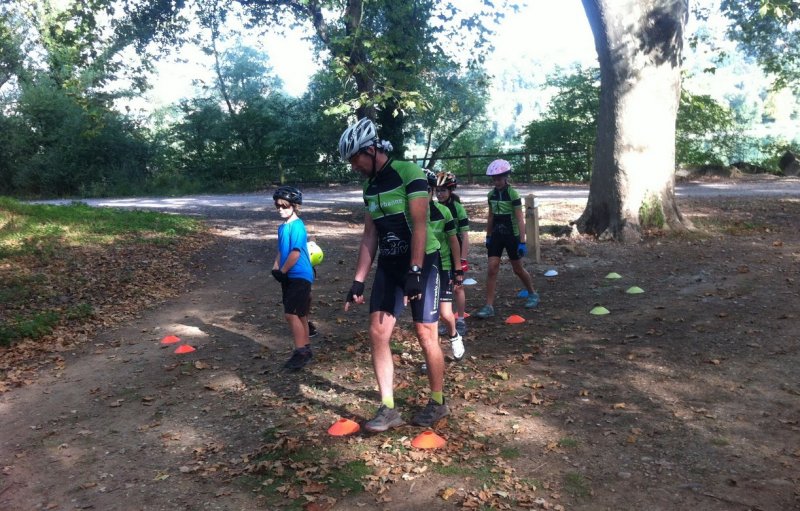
{"x": 486, "y": 311}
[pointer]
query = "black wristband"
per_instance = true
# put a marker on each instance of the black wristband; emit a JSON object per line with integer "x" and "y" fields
{"x": 458, "y": 272}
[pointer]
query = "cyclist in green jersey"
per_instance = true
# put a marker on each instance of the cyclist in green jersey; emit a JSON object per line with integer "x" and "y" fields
{"x": 396, "y": 229}
{"x": 505, "y": 230}
{"x": 446, "y": 184}
{"x": 450, "y": 276}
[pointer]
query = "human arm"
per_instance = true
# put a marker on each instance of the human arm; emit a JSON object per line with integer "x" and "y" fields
{"x": 455, "y": 251}
{"x": 418, "y": 209}
{"x": 366, "y": 253}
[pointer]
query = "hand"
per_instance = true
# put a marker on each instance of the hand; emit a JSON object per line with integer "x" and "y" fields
{"x": 464, "y": 265}
{"x": 488, "y": 241}
{"x": 458, "y": 278}
{"x": 413, "y": 285}
{"x": 356, "y": 292}
{"x": 522, "y": 249}
{"x": 280, "y": 276}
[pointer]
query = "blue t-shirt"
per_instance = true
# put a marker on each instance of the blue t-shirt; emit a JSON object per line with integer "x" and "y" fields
{"x": 292, "y": 236}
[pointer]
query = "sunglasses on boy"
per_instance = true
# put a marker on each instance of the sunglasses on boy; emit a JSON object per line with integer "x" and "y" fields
{"x": 279, "y": 205}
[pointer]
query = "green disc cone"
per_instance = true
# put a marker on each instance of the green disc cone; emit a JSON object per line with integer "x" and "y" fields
{"x": 599, "y": 311}
{"x": 634, "y": 290}
{"x": 614, "y": 276}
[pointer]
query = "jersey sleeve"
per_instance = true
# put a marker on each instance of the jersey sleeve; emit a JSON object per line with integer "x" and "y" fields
{"x": 462, "y": 220}
{"x": 516, "y": 200}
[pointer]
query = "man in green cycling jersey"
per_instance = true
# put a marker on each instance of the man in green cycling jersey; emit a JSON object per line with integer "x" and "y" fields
{"x": 396, "y": 228}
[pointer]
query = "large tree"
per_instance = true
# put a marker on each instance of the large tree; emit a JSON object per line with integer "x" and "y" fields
{"x": 639, "y": 45}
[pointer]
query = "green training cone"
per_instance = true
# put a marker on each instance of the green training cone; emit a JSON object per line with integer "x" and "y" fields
{"x": 599, "y": 311}
{"x": 613, "y": 276}
{"x": 635, "y": 290}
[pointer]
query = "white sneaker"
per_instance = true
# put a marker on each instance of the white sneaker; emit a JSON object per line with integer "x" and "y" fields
{"x": 457, "y": 343}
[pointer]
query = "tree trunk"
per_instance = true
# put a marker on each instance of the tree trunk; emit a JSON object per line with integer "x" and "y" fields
{"x": 639, "y": 45}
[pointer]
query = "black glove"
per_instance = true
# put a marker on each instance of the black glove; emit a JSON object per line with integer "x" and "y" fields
{"x": 280, "y": 276}
{"x": 458, "y": 278}
{"x": 413, "y": 284}
{"x": 357, "y": 289}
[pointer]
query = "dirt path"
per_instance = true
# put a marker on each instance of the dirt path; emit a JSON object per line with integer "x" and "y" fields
{"x": 684, "y": 397}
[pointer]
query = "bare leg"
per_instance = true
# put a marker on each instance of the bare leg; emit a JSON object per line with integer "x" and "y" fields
{"x": 446, "y": 316}
{"x": 523, "y": 275}
{"x": 459, "y": 301}
{"x": 299, "y": 327}
{"x": 491, "y": 279}
{"x": 434, "y": 358}
{"x": 381, "y": 325}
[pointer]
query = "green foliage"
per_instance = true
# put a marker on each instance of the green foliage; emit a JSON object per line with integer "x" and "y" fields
{"x": 704, "y": 131}
{"x": 651, "y": 213}
{"x": 769, "y": 31}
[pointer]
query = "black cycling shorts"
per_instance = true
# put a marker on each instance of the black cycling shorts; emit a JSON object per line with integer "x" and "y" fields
{"x": 296, "y": 297}
{"x": 388, "y": 291}
{"x": 446, "y": 285}
{"x": 504, "y": 239}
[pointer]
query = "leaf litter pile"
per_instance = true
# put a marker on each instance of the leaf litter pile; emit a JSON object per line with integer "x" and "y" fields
{"x": 682, "y": 397}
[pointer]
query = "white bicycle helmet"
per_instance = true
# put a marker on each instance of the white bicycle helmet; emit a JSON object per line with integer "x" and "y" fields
{"x": 498, "y": 167}
{"x": 357, "y": 137}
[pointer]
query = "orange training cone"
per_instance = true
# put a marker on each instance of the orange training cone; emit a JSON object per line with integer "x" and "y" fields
{"x": 428, "y": 440}
{"x": 343, "y": 427}
{"x": 515, "y": 320}
{"x": 466, "y": 315}
{"x": 184, "y": 348}
{"x": 170, "y": 339}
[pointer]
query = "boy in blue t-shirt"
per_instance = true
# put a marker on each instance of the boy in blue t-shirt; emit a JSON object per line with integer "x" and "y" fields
{"x": 292, "y": 268}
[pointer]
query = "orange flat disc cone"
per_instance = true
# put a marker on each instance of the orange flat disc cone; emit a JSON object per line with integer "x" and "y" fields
{"x": 343, "y": 427}
{"x": 515, "y": 320}
{"x": 170, "y": 339}
{"x": 466, "y": 315}
{"x": 183, "y": 348}
{"x": 428, "y": 440}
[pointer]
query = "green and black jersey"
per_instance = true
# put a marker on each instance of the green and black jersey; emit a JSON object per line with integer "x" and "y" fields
{"x": 503, "y": 203}
{"x": 443, "y": 226}
{"x": 460, "y": 216}
{"x": 386, "y": 198}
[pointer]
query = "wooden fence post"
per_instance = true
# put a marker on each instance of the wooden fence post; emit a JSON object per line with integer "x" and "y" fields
{"x": 532, "y": 228}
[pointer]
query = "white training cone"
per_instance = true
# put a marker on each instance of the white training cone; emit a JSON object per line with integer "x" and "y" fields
{"x": 550, "y": 273}
{"x": 470, "y": 282}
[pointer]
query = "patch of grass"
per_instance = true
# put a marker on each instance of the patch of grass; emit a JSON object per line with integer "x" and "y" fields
{"x": 720, "y": 441}
{"x": 40, "y": 229}
{"x": 349, "y": 477}
{"x": 565, "y": 350}
{"x": 477, "y": 471}
{"x": 79, "y": 311}
{"x": 568, "y": 443}
{"x": 34, "y": 326}
{"x": 576, "y": 485}
{"x": 510, "y": 453}
{"x": 651, "y": 213}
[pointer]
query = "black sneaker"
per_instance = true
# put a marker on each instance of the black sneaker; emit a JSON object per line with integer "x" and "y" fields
{"x": 386, "y": 418}
{"x": 431, "y": 414}
{"x": 299, "y": 359}
{"x": 312, "y": 330}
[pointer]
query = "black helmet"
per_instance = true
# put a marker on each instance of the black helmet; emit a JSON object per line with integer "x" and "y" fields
{"x": 431, "y": 177}
{"x": 288, "y": 193}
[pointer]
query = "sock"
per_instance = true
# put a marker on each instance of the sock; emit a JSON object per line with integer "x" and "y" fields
{"x": 438, "y": 397}
{"x": 388, "y": 402}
